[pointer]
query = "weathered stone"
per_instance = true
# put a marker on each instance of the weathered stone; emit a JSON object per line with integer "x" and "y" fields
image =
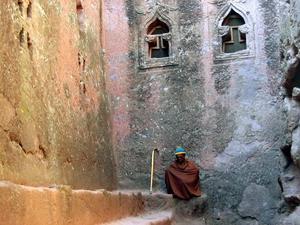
{"x": 291, "y": 82}
{"x": 257, "y": 199}
{"x": 7, "y": 113}
{"x": 226, "y": 109}
{"x": 290, "y": 54}
{"x": 293, "y": 113}
{"x": 292, "y": 219}
{"x": 295, "y": 150}
{"x": 228, "y": 216}
{"x": 53, "y": 105}
{"x": 60, "y": 204}
{"x": 154, "y": 218}
{"x": 158, "y": 200}
{"x": 296, "y": 93}
{"x": 29, "y": 138}
{"x": 195, "y": 207}
{"x": 23, "y": 205}
{"x": 291, "y": 185}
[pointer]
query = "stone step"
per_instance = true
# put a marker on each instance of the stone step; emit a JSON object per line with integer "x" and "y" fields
{"x": 153, "y": 218}
{"x": 154, "y": 201}
{"x": 61, "y": 205}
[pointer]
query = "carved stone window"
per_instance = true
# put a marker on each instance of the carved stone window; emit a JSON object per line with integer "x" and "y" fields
{"x": 235, "y": 33}
{"x": 158, "y": 43}
{"x": 235, "y": 40}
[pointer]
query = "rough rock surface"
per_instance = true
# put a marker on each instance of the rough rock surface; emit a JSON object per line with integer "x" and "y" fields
{"x": 290, "y": 39}
{"x": 257, "y": 199}
{"x": 58, "y": 59}
{"x": 291, "y": 185}
{"x": 295, "y": 150}
{"x": 54, "y": 117}
{"x": 195, "y": 207}
{"x": 60, "y": 205}
{"x": 292, "y": 219}
{"x": 292, "y": 108}
{"x": 227, "y": 112}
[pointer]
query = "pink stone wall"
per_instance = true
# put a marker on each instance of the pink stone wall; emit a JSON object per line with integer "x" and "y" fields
{"x": 117, "y": 42}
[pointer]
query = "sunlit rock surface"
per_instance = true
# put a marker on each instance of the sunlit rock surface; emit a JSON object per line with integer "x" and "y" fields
{"x": 54, "y": 118}
{"x": 83, "y": 103}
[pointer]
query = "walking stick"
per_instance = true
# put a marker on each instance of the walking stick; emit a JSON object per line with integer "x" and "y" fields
{"x": 152, "y": 168}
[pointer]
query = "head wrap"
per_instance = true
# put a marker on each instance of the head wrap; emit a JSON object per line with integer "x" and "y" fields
{"x": 180, "y": 150}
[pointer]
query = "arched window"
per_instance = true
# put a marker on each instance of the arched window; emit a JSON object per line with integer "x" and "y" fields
{"x": 234, "y": 40}
{"x": 158, "y": 45}
{"x": 158, "y": 37}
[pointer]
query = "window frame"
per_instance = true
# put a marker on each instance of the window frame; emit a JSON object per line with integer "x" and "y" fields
{"x": 232, "y": 39}
{"x": 167, "y": 16}
{"x": 159, "y": 42}
{"x": 247, "y": 29}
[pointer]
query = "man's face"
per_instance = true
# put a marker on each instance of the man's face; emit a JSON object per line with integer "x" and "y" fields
{"x": 180, "y": 158}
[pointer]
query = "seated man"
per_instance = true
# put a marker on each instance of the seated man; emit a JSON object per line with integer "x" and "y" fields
{"x": 182, "y": 177}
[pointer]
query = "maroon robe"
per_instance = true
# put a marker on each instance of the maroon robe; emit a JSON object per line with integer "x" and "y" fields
{"x": 182, "y": 180}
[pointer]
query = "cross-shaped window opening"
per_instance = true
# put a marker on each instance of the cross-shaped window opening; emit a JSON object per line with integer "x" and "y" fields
{"x": 235, "y": 40}
{"x": 158, "y": 47}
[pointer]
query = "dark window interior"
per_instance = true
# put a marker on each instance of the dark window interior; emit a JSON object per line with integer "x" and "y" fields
{"x": 159, "y": 48}
{"x": 235, "y": 40}
{"x": 233, "y": 19}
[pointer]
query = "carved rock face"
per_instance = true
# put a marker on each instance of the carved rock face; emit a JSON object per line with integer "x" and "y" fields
{"x": 296, "y": 146}
{"x": 291, "y": 186}
{"x": 292, "y": 219}
{"x": 220, "y": 2}
{"x": 257, "y": 199}
{"x": 44, "y": 133}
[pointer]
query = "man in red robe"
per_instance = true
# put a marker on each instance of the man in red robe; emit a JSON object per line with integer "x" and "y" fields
{"x": 182, "y": 177}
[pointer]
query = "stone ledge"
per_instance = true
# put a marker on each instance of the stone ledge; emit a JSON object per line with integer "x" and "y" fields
{"x": 155, "y": 218}
{"x": 60, "y": 205}
{"x": 194, "y": 207}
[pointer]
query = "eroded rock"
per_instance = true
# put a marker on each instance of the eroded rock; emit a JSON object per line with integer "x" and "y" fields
{"x": 293, "y": 113}
{"x": 291, "y": 185}
{"x": 257, "y": 203}
{"x": 292, "y": 219}
{"x": 295, "y": 150}
{"x": 296, "y": 93}
{"x": 7, "y": 112}
{"x": 195, "y": 207}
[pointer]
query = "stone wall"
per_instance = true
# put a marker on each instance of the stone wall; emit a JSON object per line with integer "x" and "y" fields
{"x": 226, "y": 110}
{"x": 54, "y": 118}
{"x": 290, "y": 62}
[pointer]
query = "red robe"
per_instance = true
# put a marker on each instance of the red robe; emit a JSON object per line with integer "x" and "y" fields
{"x": 182, "y": 180}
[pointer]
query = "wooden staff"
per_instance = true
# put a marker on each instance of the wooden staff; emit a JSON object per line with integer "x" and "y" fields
{"x": 152, "y": 169}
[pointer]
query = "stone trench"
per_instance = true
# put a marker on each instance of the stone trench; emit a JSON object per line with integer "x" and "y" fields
{"x": 88, "y": 88}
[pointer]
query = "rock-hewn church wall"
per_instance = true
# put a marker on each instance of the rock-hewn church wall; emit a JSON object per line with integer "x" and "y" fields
{"x": 225, "y": 109}
{"x": 290, "y": 62}
{"x": 54, "y": 117}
